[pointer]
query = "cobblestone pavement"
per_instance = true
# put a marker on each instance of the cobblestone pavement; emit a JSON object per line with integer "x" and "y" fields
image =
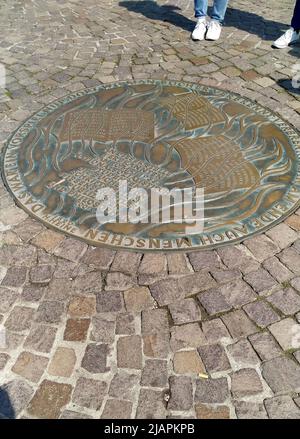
{"x": 96, "y": 334}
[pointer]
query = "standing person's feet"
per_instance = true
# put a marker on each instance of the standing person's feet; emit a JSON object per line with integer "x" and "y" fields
{"x": 200, "y": 29}
{"x": 289, "y": 37}
{"x": 213, "y": 30}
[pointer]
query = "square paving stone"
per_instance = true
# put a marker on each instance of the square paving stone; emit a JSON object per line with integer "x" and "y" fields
{"x": 166, "y": 291}
{"x": 48, "y": 240}
{"x": 195, "y": 283}
{"x": 129, "y": 352}
{"x": 287, "y": 333}
{"x": 282, "y": 374}
{"x": 14, "y": 397}
{"x": 88, "y": 283}
{"x": 98, "y": 258}
{"x": 238, "y": 324}
{"x": 49, "y": 399}
{"x": 117, "y": 409}
{"x": 95, "y": 358}
{"x": 185, "y": 311}
{"x": 50, "y": 312}
{"x": 187, "y": 336}
{"x": 236, "y": 257}
{"x": 155, "y": 373}
{"x": 103, "y": 328}
{"x": 116, "y": 281}
{"x": 62, "y": 362}
{"x": 151, "y": 405}
{"x": 89, "y": 393}
{"x": 177, "y": 264}
{"x": 15, "y": 277}
{"x": 214, "y": 358}
{"x": 277, "y": 270}
{"x": 245, "y": 382}
{"x": 215, "y": 331}
{"x": 109, "y": 301}
{"x": 33, "y": 293}
{"x": 156, "y": 345}
{"x": 71, "y": 249}
{"x": 242, "y": 354}
{"x": 59, "y": 291}
{"x": 261, "y": 313}
{"x": 181, "y": 390}
{"x": 188, "y": 362}
{"x": 126, "y": 262}
{"x": 82, "y": 306}
{"x": 124, "y": 385}
{"x": 125, "y": 324}
{"x": 223, "y": 276}
{"x": 28, "y": 229}
{"x": 7, "y": 299}
{"x": 237, "y": 293}
{"x": 262, "y": 247}
{"x": 211, "y": 391}
{"x": 260, "y": 280}
{"x": 282, "y": 235}
{"x": 208, "y": 412}
{"x": 41, "y": 274}
{"x": 282, "y": 407}
{"x": 287, "y": 301}
{"x": 40, "y": 338}
{"x": 265, "y": 345}
{"x": 138, "y": 299}
{"x": 30, "y": 366}
{"x": 204, "y": 260}
{"x": 291, "y": 259}
{"x": 250, "y": 410}
{"x": 154, "y": 321}
{"x": 20, "y": 319}
{"x": 213, "y": 302}
{"x": 76, "y": 329}
{"x": 153, "y": 264}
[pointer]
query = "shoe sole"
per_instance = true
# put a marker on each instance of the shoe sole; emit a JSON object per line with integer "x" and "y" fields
{"x": 285, "y": 47}
{"x": 197, "y": 39}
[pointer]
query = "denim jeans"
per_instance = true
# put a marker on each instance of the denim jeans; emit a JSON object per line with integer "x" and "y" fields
{"x": 219, "y": 9}
{"x": 296, "y": 17}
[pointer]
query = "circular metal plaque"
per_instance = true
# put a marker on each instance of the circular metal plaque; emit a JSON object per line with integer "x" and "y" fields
{"x": 155, "y": 134}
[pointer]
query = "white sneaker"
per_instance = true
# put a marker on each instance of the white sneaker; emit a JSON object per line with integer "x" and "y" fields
{"x": 213, "y": 30}
{"x": 200, "y": 29}
{"x": 289, "y": 37}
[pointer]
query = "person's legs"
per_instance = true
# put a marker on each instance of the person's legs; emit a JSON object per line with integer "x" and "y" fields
{"x": 296, "y": 17}
{"x": 200, "y": 7}
{"x": 199, "y": 32}
{"x": 291, "y": 36}
{"x": 219, "y": 10}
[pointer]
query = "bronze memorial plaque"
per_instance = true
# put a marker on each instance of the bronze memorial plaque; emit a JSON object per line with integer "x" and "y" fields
{"x": 90, "y": 164}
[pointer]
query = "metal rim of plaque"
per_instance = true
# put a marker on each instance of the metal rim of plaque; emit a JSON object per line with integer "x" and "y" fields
{"x": 153, "y": 133}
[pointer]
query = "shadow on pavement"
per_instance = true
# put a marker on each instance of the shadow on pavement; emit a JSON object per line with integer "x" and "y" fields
{"x": 255, "y": 24}
{"x": 288, "y": 86}
{"x": 246, "y": 21}
{"x": 168, "y": 13}
{"x": 6, "y": 409}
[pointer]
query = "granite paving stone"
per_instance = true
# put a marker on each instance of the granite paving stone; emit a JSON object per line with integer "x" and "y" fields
{"x": 287, "y": 301}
